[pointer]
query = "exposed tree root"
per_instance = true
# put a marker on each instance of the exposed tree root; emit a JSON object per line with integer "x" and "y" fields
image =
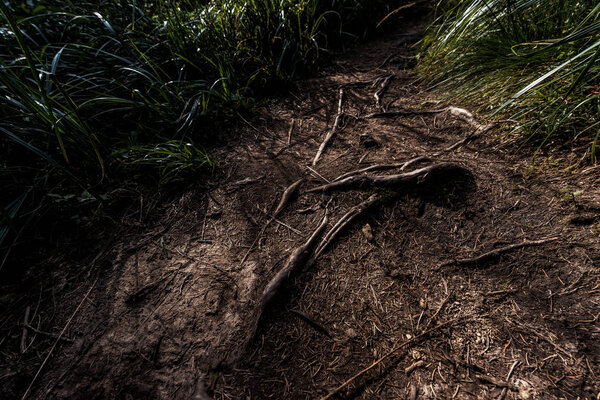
{"x": 285, "y": 199}
{"x": 383, "y": 167}
{"x": 343, "y": 222}
{"x": 334, "y": 129}
{"x": 294, "y": 262}
{"x": 408, "y": 179}
{"x": 497, "y": 252}
{"x": 460, "y": 113}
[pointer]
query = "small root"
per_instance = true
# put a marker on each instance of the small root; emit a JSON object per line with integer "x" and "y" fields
{"x": 497, "y": 252}
{"x": 294, "y": 262}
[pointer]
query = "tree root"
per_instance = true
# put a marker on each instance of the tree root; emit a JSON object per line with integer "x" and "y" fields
{"x": 294, "y": 262}
{"x": 285, "y": 199}
{"x": 497, "y": 252}
{"x": 343, "y": 222}
{"x": 334, "y": 129}
{"x": 383, "y": 167}
{"x": 408, "y": 179}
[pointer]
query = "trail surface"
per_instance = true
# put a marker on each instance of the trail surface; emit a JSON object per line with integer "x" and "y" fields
{"x": 482, "y": 280}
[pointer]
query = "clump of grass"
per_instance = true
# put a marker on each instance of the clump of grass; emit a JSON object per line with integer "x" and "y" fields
{"x": 97, "y": 94}
{"x": 533, "y": 62}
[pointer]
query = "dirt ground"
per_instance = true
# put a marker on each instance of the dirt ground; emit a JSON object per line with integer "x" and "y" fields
{"x": 171, "y": 309}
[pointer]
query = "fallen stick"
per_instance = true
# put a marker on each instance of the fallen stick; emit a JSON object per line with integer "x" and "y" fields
{"x": 294, "y": 262}
{"x": 383, "y": 167}
{"x": 290, "y": 131}
{"x": 336, "y": 126}
{"x": 497, "y": 252}
{"x": 413, "y": 178}
{"x": 385, "y": 356}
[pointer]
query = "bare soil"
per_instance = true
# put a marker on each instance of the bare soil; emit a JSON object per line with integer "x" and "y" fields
{"x": 170, "y": 310}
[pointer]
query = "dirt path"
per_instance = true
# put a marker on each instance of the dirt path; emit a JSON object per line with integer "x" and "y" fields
{"x": 176, "y": 307}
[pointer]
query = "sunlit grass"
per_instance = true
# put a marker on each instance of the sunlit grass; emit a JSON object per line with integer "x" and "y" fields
{"x": 533, "y": 62}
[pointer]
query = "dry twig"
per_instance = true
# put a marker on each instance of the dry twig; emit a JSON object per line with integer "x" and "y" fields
{"x": 386, "y": 356}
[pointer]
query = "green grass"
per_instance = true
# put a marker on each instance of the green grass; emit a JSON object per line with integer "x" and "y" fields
{"x": 533, "y": 63}
{"x": 96, "y": 95}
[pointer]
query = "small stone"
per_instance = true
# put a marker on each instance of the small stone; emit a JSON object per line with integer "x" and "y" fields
{"x": 368, "y": 232}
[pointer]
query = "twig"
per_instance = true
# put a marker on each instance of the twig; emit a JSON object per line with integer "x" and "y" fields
{"x": 290, "y": 131}
{"x": 512, "y": 368}
{"x": 438, "y": 310}
{"x": 311, "y": 321}
{"x": 413, "y": 366}
{"x": 334, "y": 129}
{"x": 413, "y": 178}
{"x": 497, "y": 252}
{"x": 24, "y": 334}
{"x": 58, "y": 339}
{"x": 385, "y": 356}
{"x": 383, "y": 167}
{"x": 48, "y": 334}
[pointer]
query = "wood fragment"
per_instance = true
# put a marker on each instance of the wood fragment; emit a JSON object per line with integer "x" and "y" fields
{"x": 24, "y": 334}
{"x": 386, "y": 356}
{"x": 383, "y": 167}
{"x": 413, "y": 366}
{"x": 381, "y": 91}
{"x": 311, "y": 321}
{"x": 497, "y": 252}
{"x": 412, "y": 393}
{"x": 334, "y": 129}
{"x": 408, "y": 179}
{"x": 290, "y": 131}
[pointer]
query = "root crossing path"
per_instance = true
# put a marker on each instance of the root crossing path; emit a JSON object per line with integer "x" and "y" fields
{"x": 363, "y": 240}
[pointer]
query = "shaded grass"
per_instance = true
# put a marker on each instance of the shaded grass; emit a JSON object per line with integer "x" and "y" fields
{"x": 96, "y": 95}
